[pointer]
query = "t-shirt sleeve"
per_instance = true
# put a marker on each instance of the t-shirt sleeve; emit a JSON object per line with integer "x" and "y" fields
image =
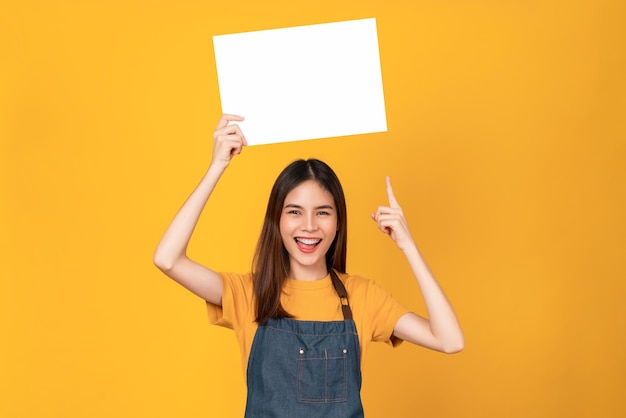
{"x": 237, "y": 295}
{"x": 384, "y": 312}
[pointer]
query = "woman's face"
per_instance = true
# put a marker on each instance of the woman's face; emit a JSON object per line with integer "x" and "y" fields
{"x": 308, "y": 225}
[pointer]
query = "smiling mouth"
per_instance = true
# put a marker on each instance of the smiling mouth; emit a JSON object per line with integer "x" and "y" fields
{"x": 308, "y": 241}
{"x": 307, "y": 244}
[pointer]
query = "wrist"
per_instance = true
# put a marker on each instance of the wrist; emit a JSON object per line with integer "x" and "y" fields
{"x": 217, "y": 168}
{"x": 409, "y": 247}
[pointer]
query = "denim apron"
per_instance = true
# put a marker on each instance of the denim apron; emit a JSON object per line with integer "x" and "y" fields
{"x": 306, "y": 368}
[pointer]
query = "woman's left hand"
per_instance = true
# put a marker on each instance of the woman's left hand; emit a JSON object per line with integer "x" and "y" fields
{"x": 390, "y": 220}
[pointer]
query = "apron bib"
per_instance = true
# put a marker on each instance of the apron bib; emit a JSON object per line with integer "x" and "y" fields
{"x": 306, "y": 368}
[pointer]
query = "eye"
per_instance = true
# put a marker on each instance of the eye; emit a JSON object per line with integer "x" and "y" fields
{"x": 293, "y": 212}
{"x": 323, "y": 212}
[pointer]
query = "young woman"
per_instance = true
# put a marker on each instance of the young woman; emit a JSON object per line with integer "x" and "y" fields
{"x": 303, "y": 324}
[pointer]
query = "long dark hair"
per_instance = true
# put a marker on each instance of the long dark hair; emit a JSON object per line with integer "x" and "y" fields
{"x": 271, "y": 261}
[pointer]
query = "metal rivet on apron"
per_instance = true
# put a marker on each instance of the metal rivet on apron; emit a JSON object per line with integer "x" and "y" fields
{"x": 301, "y": 351}
{"x": 345, "y": 351}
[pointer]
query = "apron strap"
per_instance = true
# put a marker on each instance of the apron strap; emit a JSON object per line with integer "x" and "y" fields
{"x": 343, "y": 295}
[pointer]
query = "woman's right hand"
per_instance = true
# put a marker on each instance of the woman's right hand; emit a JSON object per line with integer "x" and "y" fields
{"x": 228, "y": 140}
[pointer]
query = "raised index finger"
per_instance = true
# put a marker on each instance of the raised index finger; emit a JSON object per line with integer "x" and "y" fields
{"x": 227, "y": 117}
{"x": 393, "y": 203}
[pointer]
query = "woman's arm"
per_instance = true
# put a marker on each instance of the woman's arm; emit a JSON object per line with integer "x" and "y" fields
{"x": 441, "y": 331}
{"x": 171, "y": 253}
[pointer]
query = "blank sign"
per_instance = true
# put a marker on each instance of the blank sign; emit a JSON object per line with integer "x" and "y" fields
{"x": 303, "y": 82}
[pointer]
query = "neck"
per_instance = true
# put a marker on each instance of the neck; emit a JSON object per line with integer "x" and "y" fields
{"x": 308, "y": 274}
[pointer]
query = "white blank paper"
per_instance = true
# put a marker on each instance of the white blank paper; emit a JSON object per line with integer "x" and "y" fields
{"x": 303, "y": 82}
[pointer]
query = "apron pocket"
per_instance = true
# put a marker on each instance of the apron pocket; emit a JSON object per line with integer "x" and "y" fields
{"x": 322, "y": 376}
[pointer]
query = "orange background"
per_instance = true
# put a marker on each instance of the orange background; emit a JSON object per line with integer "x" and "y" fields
{"x": 506, "y": 146}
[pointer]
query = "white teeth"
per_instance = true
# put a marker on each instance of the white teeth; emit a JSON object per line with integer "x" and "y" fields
{"x": 308, "y": 241}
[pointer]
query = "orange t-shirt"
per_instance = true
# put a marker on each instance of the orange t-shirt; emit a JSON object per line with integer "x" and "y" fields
{"x": 375, "y": 312}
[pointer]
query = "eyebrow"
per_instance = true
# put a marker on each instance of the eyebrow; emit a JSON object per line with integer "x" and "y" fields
{"x": 293, "y": 205}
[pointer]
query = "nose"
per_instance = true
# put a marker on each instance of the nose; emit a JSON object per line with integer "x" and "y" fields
{"x": 309, "y": 223}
